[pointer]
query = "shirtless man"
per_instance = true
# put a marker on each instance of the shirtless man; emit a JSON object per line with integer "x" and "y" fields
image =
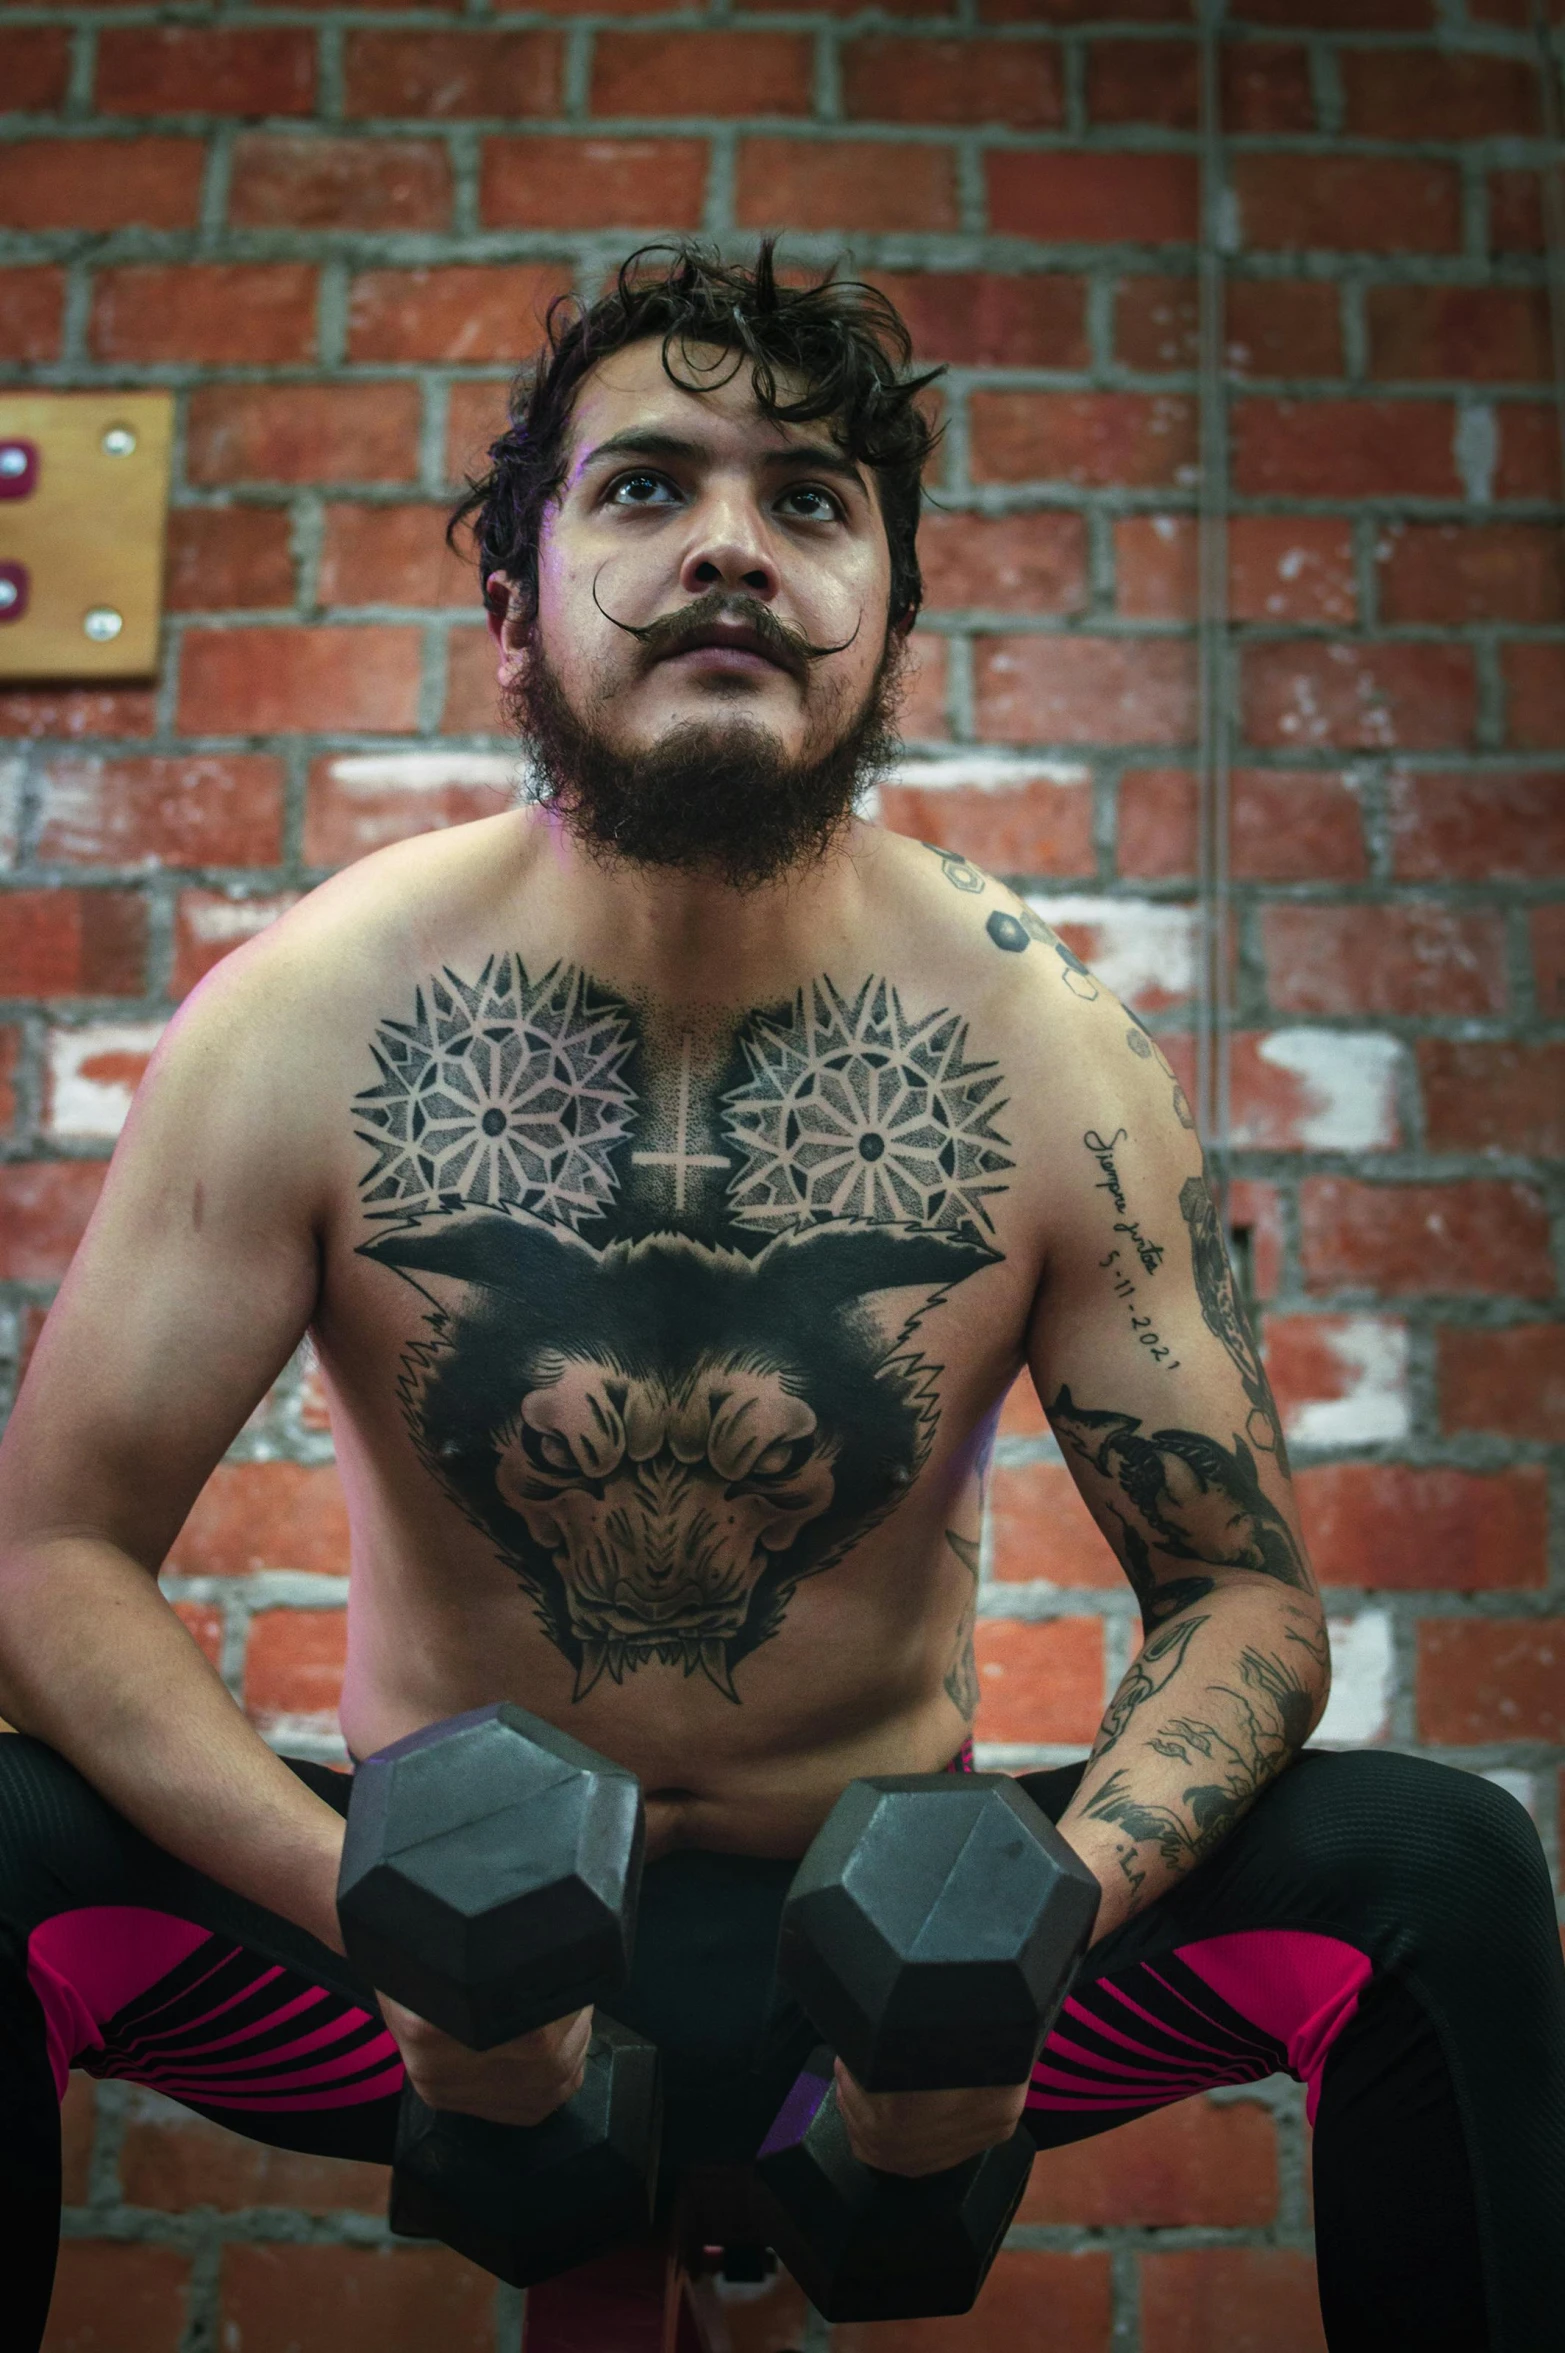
{"x": 674, "y": 1173}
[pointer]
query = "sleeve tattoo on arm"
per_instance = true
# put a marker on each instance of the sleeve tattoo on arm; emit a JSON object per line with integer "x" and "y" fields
{"x": 1222, "y": 1311}
{"x": 1267, "y": 1723}
{"x": 961, "y": 1679}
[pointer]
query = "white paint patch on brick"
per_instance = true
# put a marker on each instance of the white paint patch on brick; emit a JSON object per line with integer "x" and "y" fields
{"x": 1359, "y": 1708}
{"x": 1371, "y": 1354}
{"x": 1475, "y": 450}
{"x": 222, "y": 923}
{"x": 983, "y": 772}
{"x": 1521, "y": 1786}
{"x": 1349, "y": 1078}
{"x": 11, "y": 775}
{"x": 1142, "y": 949}
{"x": 422, "y": 772}
{"x": 92, "y": 1075}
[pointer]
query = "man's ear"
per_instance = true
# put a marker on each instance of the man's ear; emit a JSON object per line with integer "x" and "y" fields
{"x": 507, "y": 618}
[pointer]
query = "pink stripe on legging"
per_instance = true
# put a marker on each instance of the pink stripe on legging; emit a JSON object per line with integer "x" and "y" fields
{"x": 1294, "y": 1985}
{"x": 85, "y": 1965}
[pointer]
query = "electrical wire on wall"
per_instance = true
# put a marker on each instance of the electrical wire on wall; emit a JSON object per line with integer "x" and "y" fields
{"x": 1214, "y": 1005}
{"x": 1553, "y": 205}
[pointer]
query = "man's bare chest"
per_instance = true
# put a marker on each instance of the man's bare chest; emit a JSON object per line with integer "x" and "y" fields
{"x": 683, "y": 1307}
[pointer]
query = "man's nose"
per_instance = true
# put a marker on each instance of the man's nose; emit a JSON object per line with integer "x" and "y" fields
{"x": 729, "y": 550}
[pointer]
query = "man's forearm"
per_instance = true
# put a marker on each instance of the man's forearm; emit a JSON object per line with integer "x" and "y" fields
{"x": 1216, "y": 1704}
{"x": 94, "y": 1661}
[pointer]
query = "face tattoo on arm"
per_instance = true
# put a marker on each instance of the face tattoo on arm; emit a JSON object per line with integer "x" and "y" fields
{"x": 660, "y": 1368}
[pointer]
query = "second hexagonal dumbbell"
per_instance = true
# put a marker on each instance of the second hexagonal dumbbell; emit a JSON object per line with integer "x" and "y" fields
{"x": 930, "y": 1935}
{"x": 489, "y": 1881}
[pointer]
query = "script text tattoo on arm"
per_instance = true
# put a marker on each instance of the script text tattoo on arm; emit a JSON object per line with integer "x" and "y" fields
{"x": 1256, "y": 1734}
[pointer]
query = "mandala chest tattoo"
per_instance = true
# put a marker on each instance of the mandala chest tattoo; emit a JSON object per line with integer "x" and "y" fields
{"x": 669, "y": 1359}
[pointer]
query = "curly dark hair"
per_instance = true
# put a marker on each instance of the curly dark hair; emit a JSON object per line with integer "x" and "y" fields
{"x": 843, "y": 342}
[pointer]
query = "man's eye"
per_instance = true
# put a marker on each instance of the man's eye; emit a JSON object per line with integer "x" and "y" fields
{"x": 811, "y": 503}
{"x": 640, "y": 490}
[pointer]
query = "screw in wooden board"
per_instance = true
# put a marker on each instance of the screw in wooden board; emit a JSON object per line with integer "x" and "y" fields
{"x": 102, "y": 624}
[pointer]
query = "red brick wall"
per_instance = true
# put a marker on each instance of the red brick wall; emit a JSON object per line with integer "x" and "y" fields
{"x": 329, "y": 228}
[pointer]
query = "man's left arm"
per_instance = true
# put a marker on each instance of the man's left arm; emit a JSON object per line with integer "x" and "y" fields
{"x": 1147, "y": 1367}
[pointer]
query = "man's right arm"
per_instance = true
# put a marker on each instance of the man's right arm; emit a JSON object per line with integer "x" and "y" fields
{"x": 189, "y": 1292}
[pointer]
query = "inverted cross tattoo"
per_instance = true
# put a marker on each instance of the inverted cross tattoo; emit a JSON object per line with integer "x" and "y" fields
{"x": 681, "y": 1160}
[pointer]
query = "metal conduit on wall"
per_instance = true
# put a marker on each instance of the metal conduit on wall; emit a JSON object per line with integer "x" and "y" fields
{"x": 1213, "y": 926}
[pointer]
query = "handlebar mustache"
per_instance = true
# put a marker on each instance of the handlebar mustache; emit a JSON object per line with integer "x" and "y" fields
{"x": 678, "y": 632}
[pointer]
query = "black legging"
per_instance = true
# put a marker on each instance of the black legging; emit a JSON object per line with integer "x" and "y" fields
{"x": 1381, "y": 1927}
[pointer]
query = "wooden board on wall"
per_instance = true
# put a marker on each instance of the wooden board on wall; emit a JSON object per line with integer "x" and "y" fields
{"x": 88, "y": 535}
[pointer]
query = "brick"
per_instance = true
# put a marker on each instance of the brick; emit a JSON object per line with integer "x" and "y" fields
{"x": 266, "y": 681}
{"x": 1480, "y": 1237}
{"x": 303, "y": 433}
{"x": 294, "y": 1664}
{"x": 10, "y": 1056}
{"x": 1314, "y": 1090}
{"x": 76, "y": 711}
{"x": 1339, "y": 1380}
{"x": 1454, "y": 573}
{"x": 1346, "y": 16}
{"x": 205, "y": 311}
{"x": 475, "y": 416}
{"x": 1272, "y": 326}
{"x": 1082, "y": 197}
{"x": 353, "y": 808}
{"x": 1535, "y": 695}
{"x": 1504, "y": 1097}
{"x": 1491, "y": 1679}
{"x": 1478, "y": 334}
{"x": 845, "y": 184}
{"x": 1041, "y": 825}
{"x": 472, "y": 704}
{"x": 592, "y": 183}
{"x": 162, "y": 812}
{"x": 1529, "y": 462}
{"x": 719, "y": 73}
{"x": 226, "y": 559}
{"x": 1477, "y": 828}
{"x": 35, "y": 65}
{"x": 1083, "y": 12}
{"x": 209, "y": 925}
{"x": 204, "y": 1624}
{"x": 980, "y": 319}
{"x": 1085, "y": 690}
{"x": 32, "y": 310}
{"x": 1265, "y": 85}
{"x": 101, "y": 184}
{"x": 1073, "y": 2290}
{"x": 78, "y": 2118}
{"x": 461, "y": 311}
{"x": 1344, "y": 449}
{"x": 44, "y": 1208}
{"x": 1437, "y": 94}
{"x": 1398, "y": 957}
{"x": 252, "y": 1516}
{"x": 1004, "y": 563}
{"x": 1515, "y": 212}
{"x": 1191, "y": 2163}
{"x": 1305, "y": 694}
{"x": 1043, "y": 1533}
{"x": 961, "y": 81}
{"x": 277, "y": 2299}
{"x": 1509, "y": 1382}
{"x": 63, "y": 943}
{"x": 449, "y": 75}
{"x": 1384, "y": 1526}
{"x": 1281, "y": 568}
{"x": 173, "y": 2160}
{"x": 1547, "y": 936}
{"x": 91, "y": 1073}
{"x": 1245, "y": 2299}
{"x": 284, "y": 181}
{"x": 1095, "y": 440}
{"x": 126, "y": 2297}
{"x": 1022, "y": 1415}
{"x": 392, "y": 556}
{"x": 1039, "y": 1681}
{"x": 205, "y": 69}
{"x": 1348, "y": 203}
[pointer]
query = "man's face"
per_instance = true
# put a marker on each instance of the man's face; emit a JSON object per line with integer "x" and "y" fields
{"x": 675, "y": 500}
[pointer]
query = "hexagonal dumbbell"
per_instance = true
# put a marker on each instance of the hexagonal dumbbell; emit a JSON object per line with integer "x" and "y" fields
{"x": 489, "y": 1880}
{"x": 930, "y": 1935}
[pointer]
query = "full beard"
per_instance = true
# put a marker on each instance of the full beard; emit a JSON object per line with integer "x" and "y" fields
{"x": 713, "y": 796}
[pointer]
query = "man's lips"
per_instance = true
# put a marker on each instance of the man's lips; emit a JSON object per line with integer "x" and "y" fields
{"x": 728, "y": 646}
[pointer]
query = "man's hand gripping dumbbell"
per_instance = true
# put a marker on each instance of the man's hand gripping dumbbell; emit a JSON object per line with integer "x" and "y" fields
{"x": 488, "y": 1887}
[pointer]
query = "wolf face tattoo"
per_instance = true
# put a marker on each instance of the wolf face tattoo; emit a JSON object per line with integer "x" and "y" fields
{"x": 670, "y": 1365}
